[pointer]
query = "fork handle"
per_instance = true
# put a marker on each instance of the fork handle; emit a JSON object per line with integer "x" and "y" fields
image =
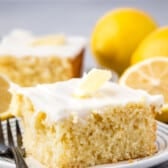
{"x": 19, "y": 161}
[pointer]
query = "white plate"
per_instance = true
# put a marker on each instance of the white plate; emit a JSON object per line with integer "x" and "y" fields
{"x": 159, "y": 157}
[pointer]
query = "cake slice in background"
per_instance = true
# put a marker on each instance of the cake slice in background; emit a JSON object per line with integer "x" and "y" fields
{"x": 64, "y": 128}
{"x": 29, "y": 60}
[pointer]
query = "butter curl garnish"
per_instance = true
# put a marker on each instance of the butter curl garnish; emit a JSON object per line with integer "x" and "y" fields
{"x": 49, "y": 40}
{"x": 92, "y": 82}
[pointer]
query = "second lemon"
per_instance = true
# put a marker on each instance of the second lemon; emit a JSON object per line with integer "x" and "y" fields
{"x": 154, "y": 45}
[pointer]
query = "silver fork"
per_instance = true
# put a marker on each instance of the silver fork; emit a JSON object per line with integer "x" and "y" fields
{"x": 11, "y": 148}
{"x": 4, "y": 149}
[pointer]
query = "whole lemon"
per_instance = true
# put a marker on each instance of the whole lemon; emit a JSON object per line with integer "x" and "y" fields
{"x": 117, "y": 34}
{"x": 155, "y": 44}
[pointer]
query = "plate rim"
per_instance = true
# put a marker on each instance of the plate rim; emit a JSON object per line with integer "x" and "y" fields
{"x": 137, "y": 163}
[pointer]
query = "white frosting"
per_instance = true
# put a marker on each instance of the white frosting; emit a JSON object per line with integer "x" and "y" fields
{"x": 58, "y": 102}
{"x": 17, "y": 43}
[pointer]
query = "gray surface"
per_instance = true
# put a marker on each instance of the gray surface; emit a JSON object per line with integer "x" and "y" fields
{"x": 163, "y": 165}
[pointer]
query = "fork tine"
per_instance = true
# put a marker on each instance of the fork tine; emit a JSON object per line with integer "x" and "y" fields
{"x": 9, "y": 134}
{"x": 18, "y": 134}
{"x": 19, "y": 160}
{"x": 2, "y": 139}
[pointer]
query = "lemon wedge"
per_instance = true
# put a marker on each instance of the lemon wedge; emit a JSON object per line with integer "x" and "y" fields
{"x": 92, "y": 81}
{"x": 150, "y": 75}
{"x": 164, "y": 115}
{"x": 51, "y": 40}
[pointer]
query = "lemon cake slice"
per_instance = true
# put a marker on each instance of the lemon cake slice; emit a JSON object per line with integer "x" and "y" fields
{"x": 29, "y": 60}
{"x": 67, "y": 124}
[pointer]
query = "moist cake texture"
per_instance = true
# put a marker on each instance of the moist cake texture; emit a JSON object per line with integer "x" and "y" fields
{"x": 62, "y": 130}
{"x": 29, "y": 60}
